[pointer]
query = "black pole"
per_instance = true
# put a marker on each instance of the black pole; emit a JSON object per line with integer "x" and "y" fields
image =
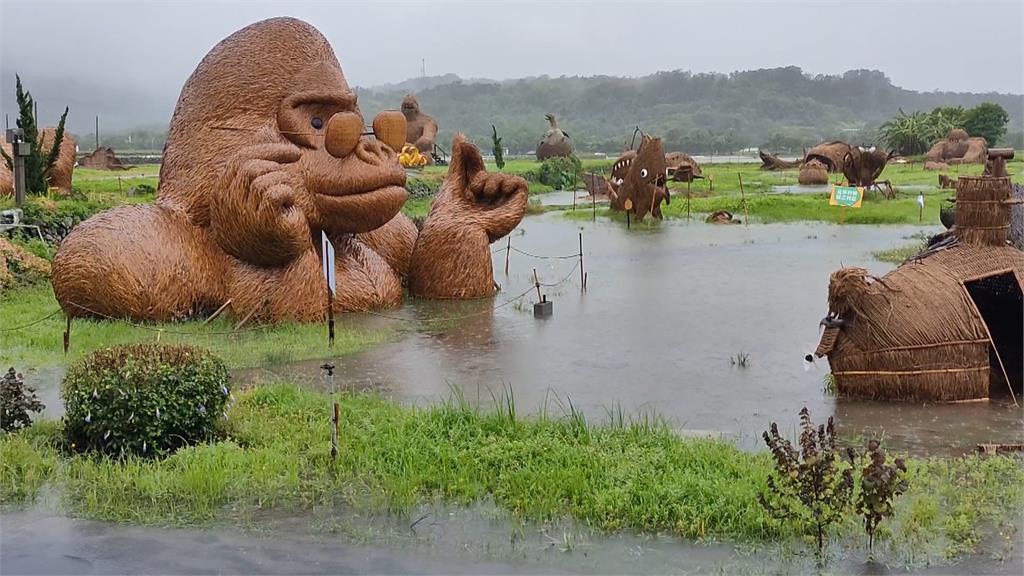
{"x": 97, "y": 132}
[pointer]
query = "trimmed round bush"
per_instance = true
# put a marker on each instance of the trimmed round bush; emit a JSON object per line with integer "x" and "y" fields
{"x": 144, "y": 399}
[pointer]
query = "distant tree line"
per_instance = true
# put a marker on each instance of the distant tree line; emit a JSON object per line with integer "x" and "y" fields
{"x": 915, "y": 133}
{"x": 780, "y": 109}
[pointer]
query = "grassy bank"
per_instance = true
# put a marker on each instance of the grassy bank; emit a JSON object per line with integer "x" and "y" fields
{"x": 792, "y": 208}
{"x": 899, "y": 254}
{"x": 639, "y": 476}
{"x": 41, "y": 344}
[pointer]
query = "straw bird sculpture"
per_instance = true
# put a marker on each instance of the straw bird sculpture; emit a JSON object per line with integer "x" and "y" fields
{"x": 556, "y": 142}
{"x": 267, "y": 150}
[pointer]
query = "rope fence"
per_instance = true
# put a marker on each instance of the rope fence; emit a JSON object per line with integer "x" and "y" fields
{"x": 161, "y": 330}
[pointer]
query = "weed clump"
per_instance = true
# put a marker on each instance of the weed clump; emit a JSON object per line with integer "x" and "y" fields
{"x": 812, "y": 486}
{"x": 880, "y": 483}
{"x": 144, "y": 399}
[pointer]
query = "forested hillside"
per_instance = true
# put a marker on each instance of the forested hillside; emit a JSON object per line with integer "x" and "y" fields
{"x": 779, "y": 109}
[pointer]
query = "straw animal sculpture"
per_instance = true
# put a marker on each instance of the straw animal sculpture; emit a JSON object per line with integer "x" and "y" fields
{"x": 102, "y": 158}
{"x": 6, "y": 176}
{"x": 642, "y": 187}
{"x": 556, "y": 142}
{"x": 773, "y": 163}
{"x": 266, "y": 149}
{"x": 421, "y": 129}
{"x": 956, "y": 148}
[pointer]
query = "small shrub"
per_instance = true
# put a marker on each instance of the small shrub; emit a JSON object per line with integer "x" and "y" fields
{"x": 16, "y": 401}
{"x": 141, "y": 189}
{"x": 811, "y": 487}
{"x": 880, "y": 483}
{"x": 144, "y": 399}
{"x": 561, "y": 173}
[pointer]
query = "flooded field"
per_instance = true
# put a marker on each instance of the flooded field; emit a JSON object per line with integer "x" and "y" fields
{"x": 670, "y": 315}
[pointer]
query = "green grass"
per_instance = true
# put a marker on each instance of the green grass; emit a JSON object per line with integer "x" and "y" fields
{"x": 765, "y": 207}
{"x": 900, "y": 254}
{"x": 626, "y": 475}
{"x": 41, "y": 345}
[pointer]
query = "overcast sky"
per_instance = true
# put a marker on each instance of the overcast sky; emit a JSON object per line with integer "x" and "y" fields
{"x": 935, "y": 45}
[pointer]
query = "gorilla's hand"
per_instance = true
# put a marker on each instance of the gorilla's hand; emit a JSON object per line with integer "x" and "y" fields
{"x": 452, "y": 257}
{"x": 259, "y": 212}
{"x": 472, "y": 197}
{"x": 500, "y": 200}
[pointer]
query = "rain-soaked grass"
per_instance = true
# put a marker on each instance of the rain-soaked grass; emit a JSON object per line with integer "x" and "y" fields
{"x": 627, "y": 475}
{"x": 42, "y": 344}
{"x": 900, "y": 254}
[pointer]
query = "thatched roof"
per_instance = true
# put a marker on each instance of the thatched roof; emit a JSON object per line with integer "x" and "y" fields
{"x": 830, "y": 154}
{"x": 915, "y": 334}
{"x": 102, "y": 158}
{"x": 682, "y": 167}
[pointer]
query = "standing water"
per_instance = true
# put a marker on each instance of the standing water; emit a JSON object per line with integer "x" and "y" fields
{"x": 706, "y": 326}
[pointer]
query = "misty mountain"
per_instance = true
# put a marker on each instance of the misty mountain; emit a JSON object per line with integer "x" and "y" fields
{"x": 778, "y": 108}
{"x": 425, "y": 83}
{"x": 121, "y": 106}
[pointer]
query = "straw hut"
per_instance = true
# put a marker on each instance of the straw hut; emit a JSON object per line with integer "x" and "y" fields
{"x": 682, "y": 167}
{"x": 943, "y": 326}
{"x": 831, "y": 154}
{"x": 102, "y": 158}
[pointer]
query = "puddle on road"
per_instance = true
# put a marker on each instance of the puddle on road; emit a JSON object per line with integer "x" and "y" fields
{"x": 667, "y": 308}
{"x": 478, "y": 539}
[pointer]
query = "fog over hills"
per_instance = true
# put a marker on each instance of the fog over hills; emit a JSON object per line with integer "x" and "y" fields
{"x": 778, "y": 108}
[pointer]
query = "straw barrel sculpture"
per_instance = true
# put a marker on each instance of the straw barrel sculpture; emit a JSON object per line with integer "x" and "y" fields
{"x": 812, "y": 172}
{"x": 266, "y": 150}
{"x": 916, "y": 333}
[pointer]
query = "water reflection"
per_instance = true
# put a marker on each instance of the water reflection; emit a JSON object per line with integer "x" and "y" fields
{"x": 667, "y": 309}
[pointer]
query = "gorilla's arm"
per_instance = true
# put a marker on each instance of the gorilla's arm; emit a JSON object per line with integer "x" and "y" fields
{"x": 425, "y": 143}
{"x": 452, "y": 256}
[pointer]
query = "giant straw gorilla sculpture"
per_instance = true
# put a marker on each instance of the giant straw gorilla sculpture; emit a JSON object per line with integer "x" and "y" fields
{"x": 267, "y": 149}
